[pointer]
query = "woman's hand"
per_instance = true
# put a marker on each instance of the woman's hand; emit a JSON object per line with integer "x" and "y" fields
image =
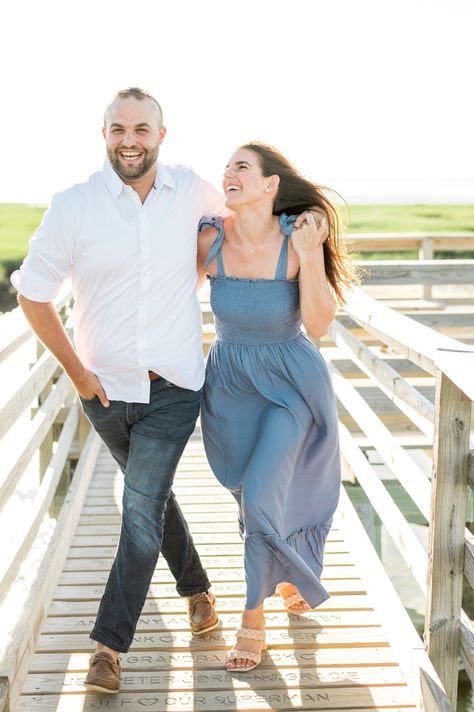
{"x": 308, "y": 235}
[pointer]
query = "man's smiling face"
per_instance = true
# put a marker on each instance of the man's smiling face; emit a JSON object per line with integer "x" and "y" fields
{"x": 133, "y": 134}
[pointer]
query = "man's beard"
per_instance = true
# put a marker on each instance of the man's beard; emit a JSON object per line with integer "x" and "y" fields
{"x": 133, "y": 172}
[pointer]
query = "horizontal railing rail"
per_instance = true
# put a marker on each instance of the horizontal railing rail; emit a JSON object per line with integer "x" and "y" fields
{"x": 438, "y": 571}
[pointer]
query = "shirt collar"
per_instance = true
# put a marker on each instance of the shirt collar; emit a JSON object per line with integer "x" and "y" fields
{"x": 116, "y": 185}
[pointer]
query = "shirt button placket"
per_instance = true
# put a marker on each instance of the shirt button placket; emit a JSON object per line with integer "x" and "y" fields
{"x": 142, "y": 341}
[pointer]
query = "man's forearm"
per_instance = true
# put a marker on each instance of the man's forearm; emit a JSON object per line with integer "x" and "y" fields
{"x": 46, "y": 324}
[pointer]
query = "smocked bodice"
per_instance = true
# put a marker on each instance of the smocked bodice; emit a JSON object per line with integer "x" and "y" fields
{"x": 254, "y": 311}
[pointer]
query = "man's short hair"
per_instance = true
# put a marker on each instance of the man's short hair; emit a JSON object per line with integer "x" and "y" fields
{"x": 138, "y": 94}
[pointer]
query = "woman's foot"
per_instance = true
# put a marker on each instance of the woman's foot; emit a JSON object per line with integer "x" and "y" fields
{"x": 292, "y": 598}
{"x": 250, "y": 642}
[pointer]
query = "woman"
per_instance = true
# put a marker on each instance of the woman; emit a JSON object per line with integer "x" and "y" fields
{"x": 268, "y": 414}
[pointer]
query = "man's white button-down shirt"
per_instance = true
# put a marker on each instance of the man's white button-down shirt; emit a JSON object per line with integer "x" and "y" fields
{"x": 133, "y": 272}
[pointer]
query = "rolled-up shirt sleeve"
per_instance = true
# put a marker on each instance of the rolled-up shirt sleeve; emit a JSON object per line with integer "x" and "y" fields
{"x": 50, "y": 256}
{"x": 212, "y": 201}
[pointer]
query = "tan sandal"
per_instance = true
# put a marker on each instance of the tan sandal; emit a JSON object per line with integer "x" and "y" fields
{"x": 294, "y": 599}
{"x": 235, "y": 653}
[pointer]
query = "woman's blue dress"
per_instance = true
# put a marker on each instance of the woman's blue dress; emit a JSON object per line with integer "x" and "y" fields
{"x": 269, "y": 426}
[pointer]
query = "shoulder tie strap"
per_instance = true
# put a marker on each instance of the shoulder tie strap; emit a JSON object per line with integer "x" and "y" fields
{"x": 216, "y": 246}
{"x": 286, "y": 224}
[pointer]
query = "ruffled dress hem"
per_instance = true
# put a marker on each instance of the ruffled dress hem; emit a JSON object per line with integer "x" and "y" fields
{"x": 297, "y": 559}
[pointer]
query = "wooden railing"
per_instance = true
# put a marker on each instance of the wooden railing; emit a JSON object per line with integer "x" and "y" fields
{"x": 438, "y": 572}
{"x": 44, "y": 440}
{"x": 425, "y": 245}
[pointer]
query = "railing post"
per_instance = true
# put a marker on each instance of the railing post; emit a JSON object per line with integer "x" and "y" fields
{"x": 447, "y": 523}
{"x": 426, "y": 252}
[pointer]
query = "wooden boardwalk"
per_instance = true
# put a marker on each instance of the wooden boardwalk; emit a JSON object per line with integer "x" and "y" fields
{"x": 336, "y": 658}
{"x": 402, "y": 368}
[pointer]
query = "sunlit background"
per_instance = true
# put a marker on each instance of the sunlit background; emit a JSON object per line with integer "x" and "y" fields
{"x": 372, "y": 97}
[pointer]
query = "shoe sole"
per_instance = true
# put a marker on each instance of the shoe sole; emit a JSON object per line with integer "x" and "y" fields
{"x": 205, "y": 630}
{"x": 98, "y": 688}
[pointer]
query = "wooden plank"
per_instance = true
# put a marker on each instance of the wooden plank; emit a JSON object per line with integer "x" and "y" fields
{"x": 395, "y": 272}
{"x": 398, "y": 528}
{"x": 166, "y": 640}
{"x": 188, "y": 509}
{"x": 469, "y": 558}
{"x": 152, "y": 661}
{"x": 14, "y": 663}
{"x": 35, "y": 381}
{"x": 15, "y": 455}
{"x": 115, "y": 519}
{"x": 198, "y": 527}
{"x": 434, "y": 700}
{"x": 467, "y": 646}
{"x": 163, "y": 606}
{"x": 137, "y": 682}
{"x": 209, "y": 562}
{"x": 426, "y": 252}
{"x": 458, "y": 366}
{"x": 402, "y": 636}
{"x": 416, "y": 406}
{"x": 333, "y": 698}
{"x": 201, "y": 526}
{"x": 401, "y": 464}
{"x": 26, "y": 530}
{"x": 226, "y": 541}
{"x": 216, "y": 499}
{"x": 15, "y": 330}
{"x": 4, "y": 694}
{"x": 446, "y": 537}
{"x": 211, "y": 550}
{"x": 445, "y": 321}
{"x": 166, "y": 590}
{"x": 94, "y": 578}
{"x": 410, "y": 240}
{"x": 415, "y": 342}
{"x": 180, "y": 621}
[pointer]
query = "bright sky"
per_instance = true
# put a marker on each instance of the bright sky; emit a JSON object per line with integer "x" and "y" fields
{"x": 373, "y": 97}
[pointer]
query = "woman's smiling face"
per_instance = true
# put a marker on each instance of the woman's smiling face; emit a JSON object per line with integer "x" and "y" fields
{"x": 243, "y": 181}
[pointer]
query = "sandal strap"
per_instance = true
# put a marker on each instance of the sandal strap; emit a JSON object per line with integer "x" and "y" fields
{"x": 250, "y": 634}
{"x": 293, "y": 599}
{"x": 244, "y": 654}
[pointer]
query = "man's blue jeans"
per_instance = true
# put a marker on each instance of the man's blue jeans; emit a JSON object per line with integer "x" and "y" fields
{"x": 146, "y": 440}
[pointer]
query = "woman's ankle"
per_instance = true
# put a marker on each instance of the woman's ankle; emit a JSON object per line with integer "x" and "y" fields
{"x": 253, "y": 618}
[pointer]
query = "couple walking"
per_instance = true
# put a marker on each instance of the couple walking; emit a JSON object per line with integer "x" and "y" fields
{"x": 127, "y": 238}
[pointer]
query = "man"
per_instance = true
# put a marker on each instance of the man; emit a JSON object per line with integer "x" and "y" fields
{"x": 127, "y": 237}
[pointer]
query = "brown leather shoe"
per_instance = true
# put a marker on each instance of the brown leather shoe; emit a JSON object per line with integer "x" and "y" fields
{"x": 104, "y": 674}
{"x": 202, "y": 615}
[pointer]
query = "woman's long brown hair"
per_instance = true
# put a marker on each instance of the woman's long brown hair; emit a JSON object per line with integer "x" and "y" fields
{"x": 296, "y": 194}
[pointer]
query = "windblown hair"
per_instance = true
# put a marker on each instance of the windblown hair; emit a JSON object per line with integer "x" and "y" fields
{"x": 296, "y": 194}
{"x": 139, "y": 95}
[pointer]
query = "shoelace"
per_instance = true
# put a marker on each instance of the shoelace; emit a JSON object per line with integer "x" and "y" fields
{"x": 197, "y": 599}
{"x": 106, "y": 659}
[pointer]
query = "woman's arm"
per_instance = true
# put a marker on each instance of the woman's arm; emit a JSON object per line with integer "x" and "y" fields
{"x": 316, "y": 302}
